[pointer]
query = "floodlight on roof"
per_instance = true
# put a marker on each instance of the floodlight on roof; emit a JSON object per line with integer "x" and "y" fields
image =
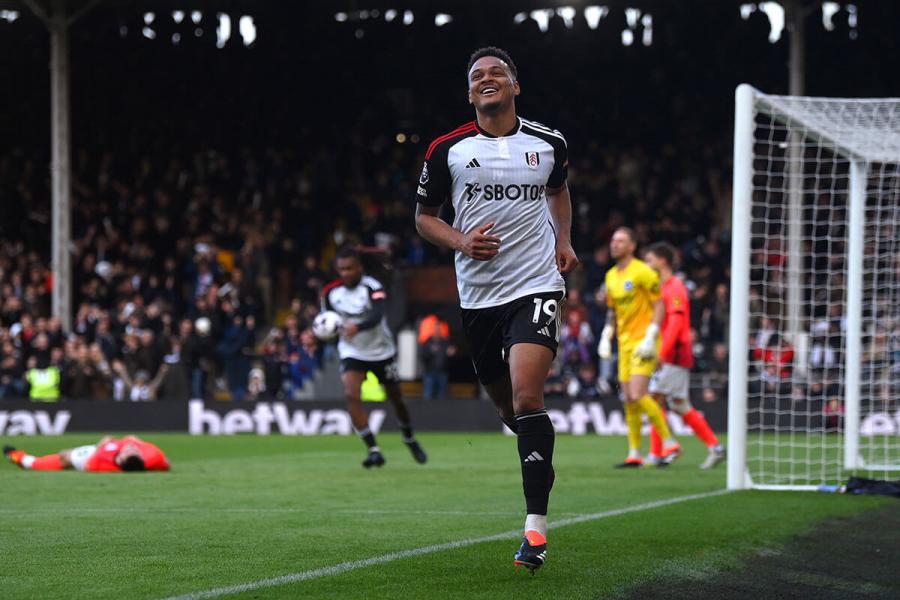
{"x": 627, "y": 37}
{"x": 178, "y": 16}
{"x": 631, "y": 17}
{"x": 390, "y": 14}
{"x": 196, "y": 15}
{"x": 149, "y": 17}
{"x": 223, "y": 31}
{"x": 340, "y": 17}
{"x": 647, "y": 22}
{"x": 520, "y": 18}
{"x": 542, "y": 18}
{"x": 442, "y": 19}
{"x": 829, "y": 9}
{"x": 593, "y": 14}
{"x": 408, "y": 17}
{"x": 248, "y": 29}
{"x": 567, "y": 14}
{"x": 775, "y": 12}
{"x": 9, "y": 15}
{"x": 149, "y": 33}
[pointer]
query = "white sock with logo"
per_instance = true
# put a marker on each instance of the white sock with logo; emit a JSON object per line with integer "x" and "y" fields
{"x": 536, "y": 523}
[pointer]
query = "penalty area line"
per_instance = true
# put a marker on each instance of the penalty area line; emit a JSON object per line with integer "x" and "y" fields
{"x": 354, "y": 565}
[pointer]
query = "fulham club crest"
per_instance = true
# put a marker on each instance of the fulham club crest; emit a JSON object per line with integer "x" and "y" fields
{"x": 532, "y": 159}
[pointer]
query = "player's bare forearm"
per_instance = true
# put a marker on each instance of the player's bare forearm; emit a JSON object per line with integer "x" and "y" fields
{"x": 477, "y": 244}
{"x": 659, "y": 312}
{"x": 560, "y": 204}
{"x": 434, "y": 229}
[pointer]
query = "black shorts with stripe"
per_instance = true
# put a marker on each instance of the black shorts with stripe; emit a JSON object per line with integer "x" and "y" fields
{"x": 491, "y": 332}
{"x": 385, "y": 370}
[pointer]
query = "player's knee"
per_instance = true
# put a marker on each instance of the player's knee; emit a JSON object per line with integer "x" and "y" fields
{"x": 680, "y": 405}
{"x": 527, "y": 399}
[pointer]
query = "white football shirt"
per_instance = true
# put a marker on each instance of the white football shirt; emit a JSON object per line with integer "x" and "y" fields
{"x": 501, "y": 180}
{"x": 353, "y": 304}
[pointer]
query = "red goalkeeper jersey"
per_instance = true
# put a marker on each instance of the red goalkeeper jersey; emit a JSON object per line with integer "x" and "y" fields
{"x": 676, "y": 328}
{"x": 104, "y": 457}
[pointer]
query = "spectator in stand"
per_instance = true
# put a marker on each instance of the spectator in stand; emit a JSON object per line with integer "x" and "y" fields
{"x": 434, "y": 350}
{"x": 84, "y": 378}
{"x": 198, "y": 354}
{"x": 775, "y": 362}
{"x": 43, "y": 380}
{"x": 234, "y": 349}
{"x": 309, "y": 280}
{"x": 12, "y": 381}
{"x": 274, "y": 358}
{"x": 256, "y": 385}
{"x": 140, "y": 388}
{"x": 714, "y": 380}
{"x": 576, "y": 341}
{"x": 303, "y": 362}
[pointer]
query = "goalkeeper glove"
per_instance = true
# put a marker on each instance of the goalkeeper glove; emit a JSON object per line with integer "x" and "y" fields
{"x": 604, "y": 348}
{"x": 647, "y": 348}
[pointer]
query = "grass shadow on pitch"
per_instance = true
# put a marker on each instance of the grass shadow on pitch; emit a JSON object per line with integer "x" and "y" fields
{"x": 840, "y": 558}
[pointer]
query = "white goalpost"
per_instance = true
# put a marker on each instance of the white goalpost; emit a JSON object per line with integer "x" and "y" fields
{"x": 814, "y": 371}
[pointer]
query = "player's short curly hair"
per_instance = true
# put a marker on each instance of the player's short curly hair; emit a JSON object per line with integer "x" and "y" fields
{"x": 495, "y": 52}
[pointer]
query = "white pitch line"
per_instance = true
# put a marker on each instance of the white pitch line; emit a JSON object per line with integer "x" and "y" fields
{"x": 392, "y": 556}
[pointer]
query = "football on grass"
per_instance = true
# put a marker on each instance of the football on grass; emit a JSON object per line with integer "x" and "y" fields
{"x": 327, "y": 325}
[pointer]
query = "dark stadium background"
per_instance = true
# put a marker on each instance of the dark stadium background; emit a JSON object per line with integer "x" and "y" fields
{"x": 297, "y": 136}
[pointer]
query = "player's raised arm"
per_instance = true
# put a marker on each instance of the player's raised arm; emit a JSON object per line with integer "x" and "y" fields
{"x": 560, "y": 205}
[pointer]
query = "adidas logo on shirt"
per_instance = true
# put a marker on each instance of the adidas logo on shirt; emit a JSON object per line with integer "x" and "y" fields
{"x": 534, "y": 457}
{"x": 473, "y": 164}
{"x": 544, "y": 331}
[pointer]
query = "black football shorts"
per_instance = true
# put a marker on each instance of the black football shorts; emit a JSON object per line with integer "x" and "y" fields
{"x": 492, "y": 331}
{"x": 385, "y": 370}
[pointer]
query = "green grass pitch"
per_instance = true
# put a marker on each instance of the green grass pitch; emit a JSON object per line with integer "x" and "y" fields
{"x": 238, "y": 510}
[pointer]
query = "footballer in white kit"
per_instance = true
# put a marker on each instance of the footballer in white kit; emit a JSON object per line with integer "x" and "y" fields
{"x": 367, "y": 346}
{"x": 505, "y": 177}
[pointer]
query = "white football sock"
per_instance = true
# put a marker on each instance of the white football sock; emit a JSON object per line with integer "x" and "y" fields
{"x": 536, "y": 523}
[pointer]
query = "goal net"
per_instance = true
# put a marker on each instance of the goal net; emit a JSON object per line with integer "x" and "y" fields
{"x": 814, "y": 374}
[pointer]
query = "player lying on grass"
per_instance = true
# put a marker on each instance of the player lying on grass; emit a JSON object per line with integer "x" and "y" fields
{"x": 671, "y": 380}
{"x": 109, "y": 455}
{"x": 635, "y": 314}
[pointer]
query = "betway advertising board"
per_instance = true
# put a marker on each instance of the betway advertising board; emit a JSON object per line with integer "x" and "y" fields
{"x": 587, "y": 417}
{"x": 197, "y": 417}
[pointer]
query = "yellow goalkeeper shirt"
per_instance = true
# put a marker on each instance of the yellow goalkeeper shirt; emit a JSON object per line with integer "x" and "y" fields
{"x": 631, "y": 292}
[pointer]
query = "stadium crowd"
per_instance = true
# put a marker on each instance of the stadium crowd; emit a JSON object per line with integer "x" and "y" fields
{"x": 201, "y": 239}
{"x": 196, "y": 276}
